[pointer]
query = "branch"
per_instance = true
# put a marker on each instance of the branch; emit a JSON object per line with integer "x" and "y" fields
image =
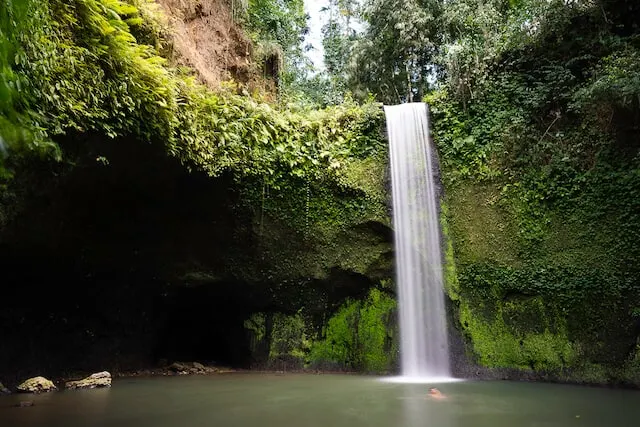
{"x": 552, "y": 123}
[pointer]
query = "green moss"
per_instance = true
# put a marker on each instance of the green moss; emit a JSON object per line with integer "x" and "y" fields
{"x": 310, "y": 227}
{"x": 481, "y": 228}
{"x": 277, "y": 336}
{"x": 360, "y": 336}
{"x": 498, "y": 344}
{"x": 546, "y": 286}
{"x": 289, "y": 336}
{"x": 451, "y": 283}
{"x": 541, "y": 176}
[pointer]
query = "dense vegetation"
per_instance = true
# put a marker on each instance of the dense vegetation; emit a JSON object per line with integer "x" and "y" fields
{"x": 536, "y": 113}
{"x": 540, "y": 151}
{"x": 88, "y": 94}
{"x": 536, "y": 117}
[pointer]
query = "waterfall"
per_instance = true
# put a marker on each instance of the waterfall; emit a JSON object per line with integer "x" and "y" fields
{"x": 424, "y": 349}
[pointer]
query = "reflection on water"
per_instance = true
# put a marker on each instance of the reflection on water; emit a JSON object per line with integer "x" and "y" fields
{"x": 79, "y": 406}
{"x": 239, "y": 400}
{"x": 424, "y": 411}
{"x": 420, "y": 380}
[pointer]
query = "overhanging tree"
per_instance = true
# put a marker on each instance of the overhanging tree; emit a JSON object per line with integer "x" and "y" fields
{"x": 395, "y": 58}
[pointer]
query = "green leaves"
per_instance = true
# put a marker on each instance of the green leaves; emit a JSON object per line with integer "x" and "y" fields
{"x": 615, "y": 81}
{"x": 536, "y": 125}
{"x": 280, "y": 22}
{"x": 76, "y": 67}
{"x": 237, "y": 133}
{"x": 394, "y": 59}
{"x": 85, "y": 71}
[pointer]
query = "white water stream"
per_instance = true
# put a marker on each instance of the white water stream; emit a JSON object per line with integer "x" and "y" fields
{"x": 424, "y": 349}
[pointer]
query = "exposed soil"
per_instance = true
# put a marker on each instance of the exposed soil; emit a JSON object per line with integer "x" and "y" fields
{"x": 206, "y": 39}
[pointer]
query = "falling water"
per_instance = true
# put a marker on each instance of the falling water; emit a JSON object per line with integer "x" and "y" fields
{"x": 423, "y": 331}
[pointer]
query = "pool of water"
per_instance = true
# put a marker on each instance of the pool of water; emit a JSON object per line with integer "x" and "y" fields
{"x": 322, "y": 401}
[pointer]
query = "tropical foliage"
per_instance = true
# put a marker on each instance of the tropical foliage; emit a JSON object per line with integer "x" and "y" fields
{"x": 535, "y": 124}
{"x": 81, "y": 69}
{"x": 360, "y": 336}
{"x": 278, "y": 28}
{"x": 536, "y": 111}
{"x": 535, "y": 114}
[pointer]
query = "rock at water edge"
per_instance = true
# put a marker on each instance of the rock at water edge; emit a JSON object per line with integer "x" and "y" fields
{"x": 36, "y": 385}
{"x": 98, "y": 380}
{"x": 199, "y": 367}
{"x": 184, "y": 368}
{"x": 4, "y": 390}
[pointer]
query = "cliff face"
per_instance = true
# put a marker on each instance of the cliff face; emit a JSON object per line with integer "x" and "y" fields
{"x": 171, "y": 214}
{"x": 122, "y": 266}
{"x": 542, "y": 171}
{"x": 562, "y": 310}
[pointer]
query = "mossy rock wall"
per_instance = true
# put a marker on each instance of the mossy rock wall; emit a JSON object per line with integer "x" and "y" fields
{"x": 360, "y": 335}
{"x": 540, "y": 160}
{"x": 144, "y": 216}
{"x": 562, "y": 306}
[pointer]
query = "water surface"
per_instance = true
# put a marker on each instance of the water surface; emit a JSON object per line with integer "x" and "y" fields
{"x": 323, "y": 401}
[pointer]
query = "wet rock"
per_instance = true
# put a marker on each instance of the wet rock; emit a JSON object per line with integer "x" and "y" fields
{"x": 4, "y": 390}
{"x": 184, "y": 368}
{"x": 98, "y": 380}
{"x": 179, "y": 368}
{"x": 36, "y": 385}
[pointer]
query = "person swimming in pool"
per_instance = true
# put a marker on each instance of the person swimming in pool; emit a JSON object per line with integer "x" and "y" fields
{"x": 435, "y": 393}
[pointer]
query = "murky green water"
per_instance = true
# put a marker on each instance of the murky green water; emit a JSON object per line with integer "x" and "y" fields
{"x": 322, "y": 401}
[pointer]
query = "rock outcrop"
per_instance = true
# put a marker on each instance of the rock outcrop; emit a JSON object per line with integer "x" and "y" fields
{"x": 185, "y": 368}
{"x": 37, "y": 385}
{"x": 97, "y": 380}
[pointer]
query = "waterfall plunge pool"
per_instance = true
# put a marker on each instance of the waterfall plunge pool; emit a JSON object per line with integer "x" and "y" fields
{"x": 420, "y": 380}
{"x": 306, "y": 400}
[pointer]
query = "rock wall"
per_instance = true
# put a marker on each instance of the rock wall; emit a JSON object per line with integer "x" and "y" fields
{"x": 562, "y": 306}
{"x": 149, "y": 217}
{"x": 159, "y": 263}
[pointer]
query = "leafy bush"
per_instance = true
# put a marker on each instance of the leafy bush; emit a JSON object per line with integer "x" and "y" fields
{"x": 83, "y": 70}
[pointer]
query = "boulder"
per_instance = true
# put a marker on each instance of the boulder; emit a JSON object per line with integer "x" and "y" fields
{"x": 98, "y": 380}
{"x": 4, "y": 390}
{"x": 179, "y": 368}
{"x": 36, "y": 385}
{"x": 184, "y": 368}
